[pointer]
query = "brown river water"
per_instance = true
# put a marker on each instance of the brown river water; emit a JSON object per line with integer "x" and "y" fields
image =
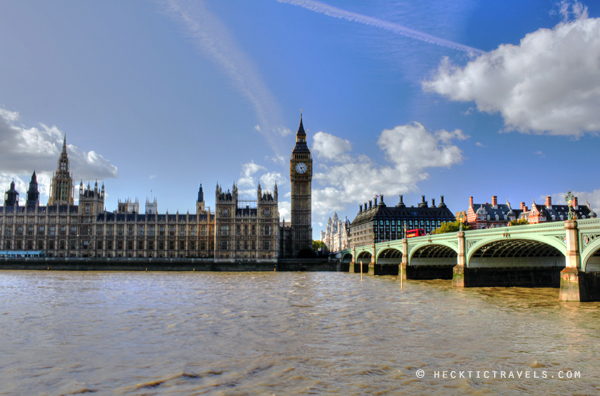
{"x": 169, "y": 333}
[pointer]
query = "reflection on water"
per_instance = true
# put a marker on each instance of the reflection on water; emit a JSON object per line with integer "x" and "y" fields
{"x": 284, "y": 333}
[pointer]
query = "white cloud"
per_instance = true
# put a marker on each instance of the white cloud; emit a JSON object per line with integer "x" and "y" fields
{"x": 480, "y": 144}
{"x": 540, "y": 153}
{"x": 23, "y": 150}
{"x": 257, "y": 128}
{"x": 278, "y": 159}
{"x": 328, "y": 147}
{"x": 269, "y": 179}
{"x": 152, "y": 177}
{"x": 285, "y": 210}
{"x": 283, "y": 131}
{"x": 410, "y": 149}
{"x": 592, "y": 197}
{"x": 248, "y": 171}
{"x": 549, "y": 83}
{"x": 571, "y": 10}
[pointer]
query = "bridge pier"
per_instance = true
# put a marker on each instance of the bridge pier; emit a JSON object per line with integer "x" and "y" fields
{"x": 575, "y": 284}
{"x": 458, "y": 272}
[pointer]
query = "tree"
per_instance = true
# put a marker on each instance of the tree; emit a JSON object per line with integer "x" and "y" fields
{"x": 518, "y": 222}
{"x": 319, "y": 244}
{"x": 451, "y": 226}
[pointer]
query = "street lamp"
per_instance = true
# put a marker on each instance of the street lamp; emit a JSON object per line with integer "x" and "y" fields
{"x": 569, "y": 198}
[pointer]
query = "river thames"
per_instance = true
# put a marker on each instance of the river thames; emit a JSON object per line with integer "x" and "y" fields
{"x": 194, "y": 333}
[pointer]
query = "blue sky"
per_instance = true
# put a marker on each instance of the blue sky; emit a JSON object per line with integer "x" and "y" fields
{"x": 453, "y": 98}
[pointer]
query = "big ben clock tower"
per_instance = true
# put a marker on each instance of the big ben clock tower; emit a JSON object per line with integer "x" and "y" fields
{"x": 301, "y": 178}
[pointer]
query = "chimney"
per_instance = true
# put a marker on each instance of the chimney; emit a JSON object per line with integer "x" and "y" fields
{"x": 432, "y": 201}
{"x": 365, "y": 206}
{"x": 548, "y": 202}
{"x": 441, "y": 199}
{"x": 575, "y": 204}
{"x": 370, "y": 204}
{"x": 523, "y": 207}
{"x": 470, "y": 201}
{"x": 422, "y": 198}
{"x": 401, "y": 199}
{"x": 494, "y": 201}
{"x": 360, "y": 209}
{"x": 375, "y": 201}
{"x": 382, "y": 199}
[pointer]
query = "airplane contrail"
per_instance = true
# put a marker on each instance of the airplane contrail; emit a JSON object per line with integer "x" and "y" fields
{"x": 335, "y": 12}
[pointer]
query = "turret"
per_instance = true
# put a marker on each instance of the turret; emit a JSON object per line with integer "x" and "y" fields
{"x": 11, "y": 197}
{"x": 33, "y": 195}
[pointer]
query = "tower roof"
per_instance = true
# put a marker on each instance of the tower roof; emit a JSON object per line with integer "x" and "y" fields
{"x": 301, "y": 146}
{"x": 301, "y": 128}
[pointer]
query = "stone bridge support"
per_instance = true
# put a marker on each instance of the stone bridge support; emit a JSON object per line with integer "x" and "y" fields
{"x": 575, "y": 284}
{"x": 351, "y": 268}
{"x": 373, "y": 260}
{"x": 458, "y": 277}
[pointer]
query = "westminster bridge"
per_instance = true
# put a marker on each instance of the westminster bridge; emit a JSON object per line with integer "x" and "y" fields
{"x": 556, "y": 254}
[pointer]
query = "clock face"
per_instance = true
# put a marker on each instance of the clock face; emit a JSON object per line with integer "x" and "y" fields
{"x": 301, "y": 168}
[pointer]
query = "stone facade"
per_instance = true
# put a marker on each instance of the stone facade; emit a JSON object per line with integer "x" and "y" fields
{"x": 246, "y": 230}
{"x": 491, "y": 215}
{"x": 380, "y": 223}
{"x": 336, "y": 235}
{"x": 62, "y": 229}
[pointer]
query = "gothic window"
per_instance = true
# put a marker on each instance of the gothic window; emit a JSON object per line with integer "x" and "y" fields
{"x": 181, "y": 245}
{"x": 224, "y": 245}
{"x": 30, "y": 230}
{"x": 141, "y": 230}
{"x": 120, "y": 245}
{"x": 19, "y": 230}
{"x": 172, "y": 230}
{"x": 171, "y": 245}
{"x": 224, "y": 230}
{"x": 253, "y": 230}
{"x": 51, "y": 245}
{"x": 140, "y": 245}
{"x": 267, "y": 230}
{"x": 99, "y": 245}
{"x": 40, "y": 245}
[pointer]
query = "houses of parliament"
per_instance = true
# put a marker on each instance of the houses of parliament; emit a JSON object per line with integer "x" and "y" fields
{"x": 238, "y": 229}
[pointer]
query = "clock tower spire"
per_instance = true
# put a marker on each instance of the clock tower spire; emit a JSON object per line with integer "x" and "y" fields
{"x": 301, "y": 178}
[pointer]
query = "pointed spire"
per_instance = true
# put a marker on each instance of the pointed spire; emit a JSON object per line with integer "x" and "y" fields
{"x": 64, "y": 150}
{"x": 301, "y": 127}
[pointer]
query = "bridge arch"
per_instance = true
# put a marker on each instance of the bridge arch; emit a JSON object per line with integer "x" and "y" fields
{"x": 517, "y": 252}
{"x": 590, "y": 260}
{"x": 363, "y": 255}
{"x": 389, "y": 256}
{"x": 433, "y": 250}
{"x": 346, "y": 257}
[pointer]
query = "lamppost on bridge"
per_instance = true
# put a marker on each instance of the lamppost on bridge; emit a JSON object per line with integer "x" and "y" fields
{"x": 569, "y": 198}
